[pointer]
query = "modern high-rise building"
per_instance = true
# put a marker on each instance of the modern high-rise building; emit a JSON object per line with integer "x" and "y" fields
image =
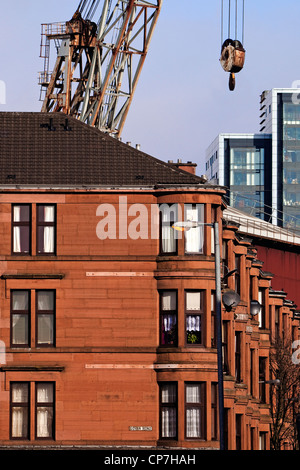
{"x": 262, "y": 170}
{"x": 241, "y": 163}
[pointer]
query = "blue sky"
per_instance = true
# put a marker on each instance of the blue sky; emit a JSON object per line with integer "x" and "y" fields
{"x": 182, "y": 100}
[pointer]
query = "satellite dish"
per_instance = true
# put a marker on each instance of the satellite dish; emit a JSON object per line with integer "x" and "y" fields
{"x": 255, "y": 307}
{"x": 230, "y": 299}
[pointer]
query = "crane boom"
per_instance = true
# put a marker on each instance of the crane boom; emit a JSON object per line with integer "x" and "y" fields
{"x": 100, "y": 55}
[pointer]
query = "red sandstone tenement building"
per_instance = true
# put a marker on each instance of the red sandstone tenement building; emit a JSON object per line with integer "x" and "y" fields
{"x": 108, "y": 329}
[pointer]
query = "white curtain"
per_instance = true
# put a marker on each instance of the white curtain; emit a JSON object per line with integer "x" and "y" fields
{"x": 193, "y": 300}
{"x": 20, "y": 321}
{"x": 20, "y": 300}
{"x": 44, "y": 413}
{"x": 49, "y": 215}
{"x": 48, "y": 239}
{"x": 44, "y": 421}
{"x": 45, "y": 300}
{"x": 17, "y": 230}
{"x": 19, "y": 422}
{"x": 169, "y": 322}
{"x": 169, "y": 414}
{"x": 19, "y": 329}
{"x": 169, "y": 300}
{"x": 194, "y": 236}
{"x": 45, "y": 329}
{"x": 168, "y": 422}
{"x": 193, "y": 422}
{"x": 168, "y": 233}
{"x": 19, "y": 414}
{"x": 193, "y": 323}
{"x": 193, "y": 415}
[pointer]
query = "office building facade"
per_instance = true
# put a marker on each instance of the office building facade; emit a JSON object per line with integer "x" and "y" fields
{"x": 277, "y": 172}
{"x": 240, "y": 162}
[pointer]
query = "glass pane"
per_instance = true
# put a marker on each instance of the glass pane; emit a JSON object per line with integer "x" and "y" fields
{"x": 20, "y": 300}
{"x": 193, "y": 300}
{"x": 194, "y": 237}
{"x": 168, "y": 300}
{"x": 168, "y": 239}
{"x": 45, "y": 237}
{"x": 44, "y": 424}
{"x": 45, "y": 300}
{"x": 193, "y": 423}
{"x": 193, "y": 329}
{"x": 168, "y": 393}
{"x": 193, "y": 394}
{"x": 21, "y": 239}
{"x": 45, "y": 329}
{"x": 46, "y": 213}
{"x": 20, "y": 329}
{"x": 20, "y": 422}
{"x": 44, "y": 392}
{"x": 21, "y": 214}
{"x": 20, "y": 393}
{"x": 168, "y": 422}
{"x": 169, "y": 329}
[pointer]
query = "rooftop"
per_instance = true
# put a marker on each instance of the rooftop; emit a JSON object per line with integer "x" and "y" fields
{"x": 42, "y": 149}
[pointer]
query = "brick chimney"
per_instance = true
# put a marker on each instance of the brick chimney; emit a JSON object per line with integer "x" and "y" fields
{"x": 189, "y": 166}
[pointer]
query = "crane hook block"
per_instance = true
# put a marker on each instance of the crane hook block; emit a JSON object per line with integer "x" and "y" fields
{"x": 232, "y": 58}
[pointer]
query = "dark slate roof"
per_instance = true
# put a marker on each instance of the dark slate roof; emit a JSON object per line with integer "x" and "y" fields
{"x": 51, "y": 149}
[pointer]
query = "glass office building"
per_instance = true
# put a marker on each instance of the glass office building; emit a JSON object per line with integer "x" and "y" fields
{"x": 280, "y": 113}
{"x": 262, "y": 171}
{"x": 239, "y": 162}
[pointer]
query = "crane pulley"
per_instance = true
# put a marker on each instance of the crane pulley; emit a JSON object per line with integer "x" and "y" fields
{"x": 232, "y": 50}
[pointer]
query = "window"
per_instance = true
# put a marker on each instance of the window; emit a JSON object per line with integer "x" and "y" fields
{"x": 262, "y": 379}
{"x": 19, "y": 410}
{"x": 45, "y": 229}
{"x": 238, "y": 274}
{"x": 193, "y": 317}
{"x": 21, "y": 229}
{"x": 214, "y": 411}
{"x": 262, "y": 313}
{"x": 238, "y": 356}
{"x": 168, "y": 410}
{"x": 45, "y": 313}
{"x": 45, "y": 410}
{"x": 20, "y": 318}
{"x": 194, "y": 237}
{"x": 168, "y": 236}
{"x": 213, "y": 320}
{"x": 238, "y": 427}
{"x": 168, "y": 318}
{"x": 195, "y": 406}
{"x": 225, "y": 326}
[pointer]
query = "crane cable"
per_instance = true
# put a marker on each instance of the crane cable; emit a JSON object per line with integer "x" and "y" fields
{"x": 229, "y": 20}
{"x": 232, "y": 49}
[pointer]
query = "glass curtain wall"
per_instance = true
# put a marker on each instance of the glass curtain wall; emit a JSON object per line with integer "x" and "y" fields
{"x": 291, "y": 165}
{"x": 246, "y": 179}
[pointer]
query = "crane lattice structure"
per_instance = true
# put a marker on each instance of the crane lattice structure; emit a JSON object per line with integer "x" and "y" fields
{"x": 100, "y": 55}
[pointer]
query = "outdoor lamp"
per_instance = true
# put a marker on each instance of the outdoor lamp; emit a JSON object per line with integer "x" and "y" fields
{"x": 255, "y": 307}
